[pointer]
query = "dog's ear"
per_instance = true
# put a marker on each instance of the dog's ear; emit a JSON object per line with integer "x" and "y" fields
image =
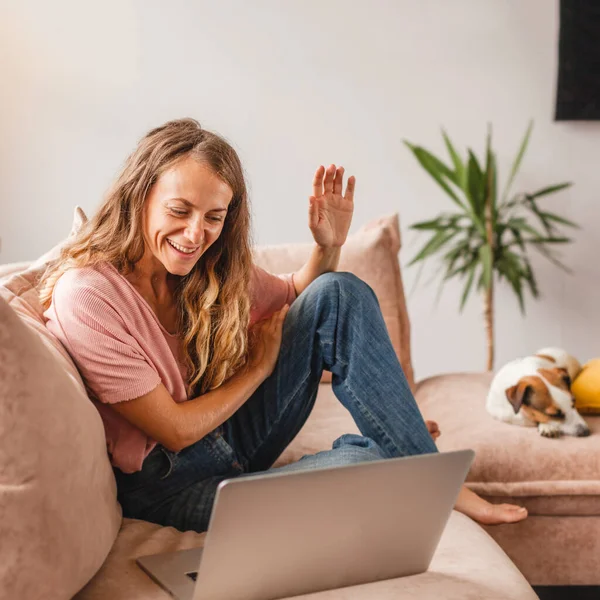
{"x": 518, "y": 394}
{"x": 557, "y": 376}
{"x": 566, "y": 378}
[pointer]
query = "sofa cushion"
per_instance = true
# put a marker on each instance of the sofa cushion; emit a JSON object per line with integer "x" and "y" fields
{"x": 19, "y": 288}
{"x": 6, "y": 270}
{"x": 58, "y": 502}
{"x": 586, "y": 388}
{"x": 372, "y": 254}
{"x": 548, "y": 476}
{"x": 466, "y": 564}
{"x": 10, "y": 268}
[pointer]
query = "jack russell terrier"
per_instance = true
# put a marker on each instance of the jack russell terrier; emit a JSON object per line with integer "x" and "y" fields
{"x": 535, "y": 391}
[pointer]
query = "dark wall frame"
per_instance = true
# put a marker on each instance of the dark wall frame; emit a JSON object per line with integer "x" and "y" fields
{"x": 578, "y": 85}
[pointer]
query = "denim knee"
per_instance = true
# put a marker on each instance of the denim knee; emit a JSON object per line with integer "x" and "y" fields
{"x": 344, "y": 282}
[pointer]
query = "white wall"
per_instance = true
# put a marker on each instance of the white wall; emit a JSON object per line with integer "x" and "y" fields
{"x": 294, "y": 84}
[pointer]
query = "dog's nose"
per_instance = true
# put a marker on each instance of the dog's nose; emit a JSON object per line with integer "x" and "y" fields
{"x": 582, "y": 431}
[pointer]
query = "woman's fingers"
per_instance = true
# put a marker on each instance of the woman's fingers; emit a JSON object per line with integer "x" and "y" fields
{"x": 318, "y": 181}
{"x": 329, "y": 176}
{"x": 275, "y": 321}
{"x": 338, "y": 182}
{"x": 350, "y": 188}
{"x": 331, "y": 181}
{"x": 279, "y": 316}
{"x": 313, "y": 212}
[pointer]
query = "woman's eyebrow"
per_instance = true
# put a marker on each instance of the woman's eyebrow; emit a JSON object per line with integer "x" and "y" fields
{"x": 191, "y": 205}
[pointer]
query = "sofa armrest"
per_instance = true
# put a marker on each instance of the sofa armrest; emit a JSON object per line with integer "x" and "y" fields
{"x": 10, "y": 268}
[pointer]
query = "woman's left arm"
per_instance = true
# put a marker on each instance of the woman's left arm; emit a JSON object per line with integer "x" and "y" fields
{"x": 329, "y": 218}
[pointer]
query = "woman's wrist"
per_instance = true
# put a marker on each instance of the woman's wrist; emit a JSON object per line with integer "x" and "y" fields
{"x": 254, "y": 373}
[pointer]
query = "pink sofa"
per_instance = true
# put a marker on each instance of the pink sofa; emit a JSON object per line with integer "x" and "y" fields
{"x": 558, "y": 480}
{"x": 62, "y": 532}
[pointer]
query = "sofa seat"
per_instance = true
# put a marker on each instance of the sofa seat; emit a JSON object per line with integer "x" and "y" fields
{"x": 557, "y": 480}
{"x": 467, "y": 564}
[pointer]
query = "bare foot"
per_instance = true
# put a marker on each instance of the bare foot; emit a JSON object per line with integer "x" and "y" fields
{"x": 496, "y": 514}
{"x": 483, "y": 512}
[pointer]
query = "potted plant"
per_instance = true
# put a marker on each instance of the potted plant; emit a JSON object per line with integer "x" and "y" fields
{"x": 487, "y": 236}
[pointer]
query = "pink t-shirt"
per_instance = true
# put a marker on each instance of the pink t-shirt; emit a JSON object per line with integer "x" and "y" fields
{"x": 122, "y": 350}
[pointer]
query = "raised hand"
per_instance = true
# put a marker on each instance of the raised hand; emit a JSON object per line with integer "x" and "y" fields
{"x": 330, "y": 212}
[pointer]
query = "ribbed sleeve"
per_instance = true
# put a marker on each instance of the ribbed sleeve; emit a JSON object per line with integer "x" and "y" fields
{"x": 269, "y": 293}
{"x": 109, "y": 358}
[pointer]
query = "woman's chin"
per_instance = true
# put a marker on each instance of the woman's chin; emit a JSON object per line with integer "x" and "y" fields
{"x": 180, "y": 270}
{"x": 180, "y": 267}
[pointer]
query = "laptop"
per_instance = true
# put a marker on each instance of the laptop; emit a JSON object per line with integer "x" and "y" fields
{"x": 277, "y": 535}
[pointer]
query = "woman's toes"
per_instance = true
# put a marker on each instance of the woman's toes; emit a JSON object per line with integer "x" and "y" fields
{"x": 433, "y": 429}
{"x": 513, "y": 513}
{"x": 496, "y": 514}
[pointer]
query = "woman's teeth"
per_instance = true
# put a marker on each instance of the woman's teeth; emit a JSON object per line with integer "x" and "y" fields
{"x": 181, "y": 248}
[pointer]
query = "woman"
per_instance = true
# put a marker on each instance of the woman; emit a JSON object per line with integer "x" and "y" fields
{"x": 204, "y": 367}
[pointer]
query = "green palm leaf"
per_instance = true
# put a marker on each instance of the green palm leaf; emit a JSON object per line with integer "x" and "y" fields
{"x": 438, "y": 241}
{"x": 436, "y": 169}
{"x": 434, "y": 224}
{"x": 552, "y": 217}
{"x": 486, "y": 259}
{"x": 517, "y": 162}
{"x": 551, "y": 189}
{"x": 490, "y": 184}
{"x": 476, "y": 186}
{"x": 530, "y": 278}
{"x": 459, "y": 167}
{"x": 467, "y": 290}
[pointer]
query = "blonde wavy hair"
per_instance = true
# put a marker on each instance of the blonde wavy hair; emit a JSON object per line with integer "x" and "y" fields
{"x": 212, "y": 299}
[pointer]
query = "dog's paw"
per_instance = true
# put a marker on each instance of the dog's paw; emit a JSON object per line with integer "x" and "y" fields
{"x": 549, "y": 430}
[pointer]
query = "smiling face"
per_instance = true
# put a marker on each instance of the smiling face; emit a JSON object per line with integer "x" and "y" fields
{"x": 183, "y": 216}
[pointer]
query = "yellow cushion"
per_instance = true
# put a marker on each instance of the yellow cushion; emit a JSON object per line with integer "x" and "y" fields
{"x": 586, "y": 388}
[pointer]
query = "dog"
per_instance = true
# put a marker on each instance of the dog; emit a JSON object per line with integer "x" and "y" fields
{"x": 535, "y": 391}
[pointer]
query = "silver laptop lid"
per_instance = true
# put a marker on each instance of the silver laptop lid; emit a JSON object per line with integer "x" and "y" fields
{"x": 284, "y": 534}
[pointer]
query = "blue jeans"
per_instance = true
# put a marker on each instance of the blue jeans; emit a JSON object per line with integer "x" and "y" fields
{"x": 335, "y": 324}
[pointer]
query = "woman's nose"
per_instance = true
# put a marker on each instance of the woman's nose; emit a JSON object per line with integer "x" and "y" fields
{"x": 195, "y": 233}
